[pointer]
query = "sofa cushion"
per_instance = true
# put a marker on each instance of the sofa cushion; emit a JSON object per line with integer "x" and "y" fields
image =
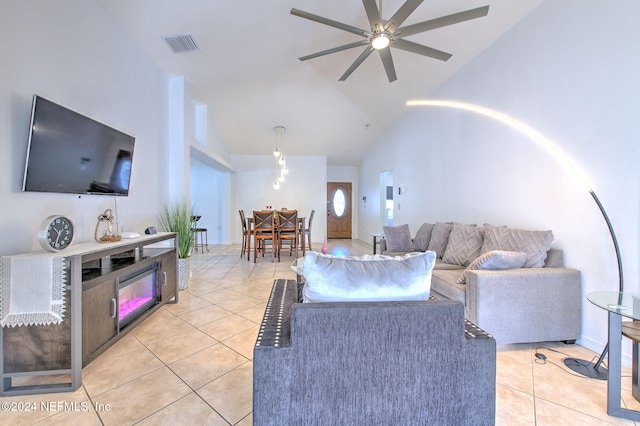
{"x": 398, "y": 238}
{"x": 367, "y": 278}
{"x": 464, "y": 245}
{"x": 535, "y": 244}
{"x": 440, "y": 237}
{"x": 423, "y": 236}
{"x": 495, "y": 260}
{"x": 443, "y": 283}
{"x": 440, "y": 265}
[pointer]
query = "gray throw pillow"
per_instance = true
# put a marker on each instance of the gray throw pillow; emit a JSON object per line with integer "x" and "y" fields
{"x": 423, "y": 236}
{"x": 465, "y": 244}
{"x": 495, "y": 260}
{"x": 535, "y": 244}
{"x": 398, "y": 238}
{"x": 440, "y": 237}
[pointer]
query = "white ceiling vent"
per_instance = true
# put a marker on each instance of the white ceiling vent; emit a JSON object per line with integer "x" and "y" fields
{"x": 181, "y": 43}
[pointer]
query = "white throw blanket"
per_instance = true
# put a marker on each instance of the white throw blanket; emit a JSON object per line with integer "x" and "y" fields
{"x": 32, "y": 289}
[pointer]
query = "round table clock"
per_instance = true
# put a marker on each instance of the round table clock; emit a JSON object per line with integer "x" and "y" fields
{"x": 55, "y": 233}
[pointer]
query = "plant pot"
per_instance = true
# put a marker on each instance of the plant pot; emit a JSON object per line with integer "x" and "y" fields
{"x": 183, "y": 274}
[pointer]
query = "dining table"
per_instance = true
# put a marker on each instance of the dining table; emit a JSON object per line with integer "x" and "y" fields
{"x": 302, "y": 220}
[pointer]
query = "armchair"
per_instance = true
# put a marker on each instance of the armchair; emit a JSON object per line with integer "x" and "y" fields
{"x": 411, "y": 362}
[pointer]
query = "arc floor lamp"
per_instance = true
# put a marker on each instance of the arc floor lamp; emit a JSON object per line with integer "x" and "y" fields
{"x": 586, "y": 368}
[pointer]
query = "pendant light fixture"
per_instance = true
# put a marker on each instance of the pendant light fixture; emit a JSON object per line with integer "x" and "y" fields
{"x": 279, "y": 155}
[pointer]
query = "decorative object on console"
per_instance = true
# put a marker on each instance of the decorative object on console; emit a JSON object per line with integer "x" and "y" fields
{"x": 106, "y": 228}
{"x": 55, "y": 233}
{"x": 177, "y": 218}
{"x": 129, "y": 235}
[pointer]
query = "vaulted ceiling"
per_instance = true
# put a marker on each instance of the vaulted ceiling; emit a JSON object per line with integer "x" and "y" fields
{"x": 246, "y": 69}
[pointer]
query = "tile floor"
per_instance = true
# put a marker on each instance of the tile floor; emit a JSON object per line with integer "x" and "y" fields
{"x": 190, "y": 363}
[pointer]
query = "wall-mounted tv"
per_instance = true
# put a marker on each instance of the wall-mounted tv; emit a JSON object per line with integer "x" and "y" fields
{"x": 71, "y": 153}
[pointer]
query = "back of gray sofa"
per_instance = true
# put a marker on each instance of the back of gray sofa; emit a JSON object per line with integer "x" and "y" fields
{"x": 376, "y": 363}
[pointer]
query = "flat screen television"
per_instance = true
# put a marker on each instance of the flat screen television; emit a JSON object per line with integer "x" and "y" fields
{"x": 70, "y": 153}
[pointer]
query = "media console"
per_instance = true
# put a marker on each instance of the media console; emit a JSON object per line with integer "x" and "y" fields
{"x": 112, "y": 287}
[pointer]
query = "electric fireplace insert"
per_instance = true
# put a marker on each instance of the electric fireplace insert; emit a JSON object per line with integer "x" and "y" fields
{"x": 136, "y": 294}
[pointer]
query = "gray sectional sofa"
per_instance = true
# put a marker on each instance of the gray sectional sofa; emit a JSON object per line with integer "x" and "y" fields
{"x": 414, "y": 362}
{"x": 541, "y": 302}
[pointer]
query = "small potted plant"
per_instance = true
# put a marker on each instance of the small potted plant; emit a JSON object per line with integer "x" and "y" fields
{"x": 177, "y": 218}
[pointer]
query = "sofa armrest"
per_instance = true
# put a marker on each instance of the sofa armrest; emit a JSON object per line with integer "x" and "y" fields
{"x": 526, "y": 305}
{"x": 272, "y": 354}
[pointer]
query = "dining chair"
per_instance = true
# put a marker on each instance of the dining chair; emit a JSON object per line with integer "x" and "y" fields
{"x": 245, "y": 234}
{"x": 307, "y": 231}
{"x": 264, "y": 232}
{"x": 288, "y": 230}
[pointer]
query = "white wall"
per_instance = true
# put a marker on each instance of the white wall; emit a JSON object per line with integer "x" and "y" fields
{"x": 74, "y": 54}
{"x": 305, "y": 188}
{"x": 207, "y": 190}
{"x": 569, "y": 70}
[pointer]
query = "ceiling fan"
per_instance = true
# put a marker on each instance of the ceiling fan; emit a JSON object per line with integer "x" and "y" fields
{"x": 385, "y": 34}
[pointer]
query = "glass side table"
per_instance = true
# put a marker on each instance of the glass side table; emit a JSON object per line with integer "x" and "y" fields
{"x": 620, "y": 305}
{"x": 376, "y": 236}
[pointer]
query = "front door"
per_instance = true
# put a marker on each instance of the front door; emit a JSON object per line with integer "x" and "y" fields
{"x": 338, "y": 209}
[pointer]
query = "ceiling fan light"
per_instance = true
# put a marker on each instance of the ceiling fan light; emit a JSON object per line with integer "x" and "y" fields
{"x": 380, "y": 41}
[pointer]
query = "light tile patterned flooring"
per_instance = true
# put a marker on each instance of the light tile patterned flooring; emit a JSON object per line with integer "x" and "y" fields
{"x": 190, "y": 363}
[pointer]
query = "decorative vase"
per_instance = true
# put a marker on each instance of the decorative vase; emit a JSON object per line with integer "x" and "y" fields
{"x": 183, "y": 274}
{"x": 324, "y": 248}
{"x": 106, "y": 229}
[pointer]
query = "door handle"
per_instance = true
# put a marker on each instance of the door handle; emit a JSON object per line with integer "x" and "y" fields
{"x": 113, "y": 307}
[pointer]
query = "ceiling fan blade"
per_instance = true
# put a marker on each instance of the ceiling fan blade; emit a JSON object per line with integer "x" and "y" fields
{"x": 444, "y": 21}
{"x": 412, "y": 47}
{"x": 387, "y": 61}
{"x": 375, "y": 20}
{"x": 364, "y": 55}
{"x": 330, "y": 22}
{"x": 334, "y": 50}
{"x": 402, "y": 14}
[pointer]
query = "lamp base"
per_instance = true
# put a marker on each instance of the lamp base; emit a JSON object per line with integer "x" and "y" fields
{"x": 586, "y": 368}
